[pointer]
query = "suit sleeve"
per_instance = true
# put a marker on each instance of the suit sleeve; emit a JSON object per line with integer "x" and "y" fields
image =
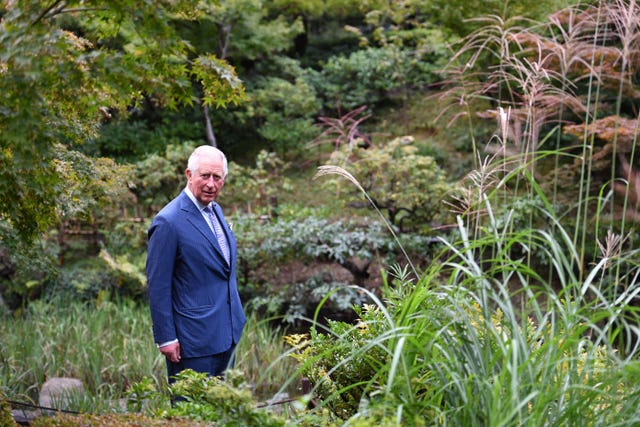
{"x": 161, "y": 258}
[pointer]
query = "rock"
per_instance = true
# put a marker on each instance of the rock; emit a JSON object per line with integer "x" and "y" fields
{"x": 57, "y": 392}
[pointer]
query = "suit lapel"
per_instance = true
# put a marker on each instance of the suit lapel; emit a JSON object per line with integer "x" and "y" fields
{"x": 194, "y": 216}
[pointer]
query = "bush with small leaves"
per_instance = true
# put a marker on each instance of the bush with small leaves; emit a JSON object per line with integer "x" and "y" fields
{"x": 221, "y": 401}
{"x": 334, "y": 364}
{"x": 408, "y": 187}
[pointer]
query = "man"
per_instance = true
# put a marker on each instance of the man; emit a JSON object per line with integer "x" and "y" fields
{"x": 191, "y": 270}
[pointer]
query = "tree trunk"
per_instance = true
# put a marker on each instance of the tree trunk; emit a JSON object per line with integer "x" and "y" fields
{"x": 208, "y": 128}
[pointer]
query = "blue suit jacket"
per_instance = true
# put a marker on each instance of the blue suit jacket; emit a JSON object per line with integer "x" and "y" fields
{"x": 193, "y": 293}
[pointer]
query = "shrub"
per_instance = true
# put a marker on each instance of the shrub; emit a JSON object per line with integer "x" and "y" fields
{"x": 296, "y": 301}
{"x": 338, "y": 254}
{"x": 160, "y": 177}
{"x": 24, "y": 267}
{"x": 335, "y": 363}
{"x": 431, "y": 354}
{"x": 369, "y": 76}
{"x": 224, "y": 402}
{"x": 285, "y": 111}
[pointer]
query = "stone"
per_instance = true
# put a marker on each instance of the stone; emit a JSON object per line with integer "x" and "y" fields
{"x": 57, "y": 392}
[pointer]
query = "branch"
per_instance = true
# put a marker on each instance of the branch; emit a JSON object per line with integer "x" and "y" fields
{"x": 58, "y": 7}
{"x": 46, "y": 11}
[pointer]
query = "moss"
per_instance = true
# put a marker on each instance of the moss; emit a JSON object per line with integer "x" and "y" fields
{"x": 6, "y": 419}
{"x": 112, "y": 420}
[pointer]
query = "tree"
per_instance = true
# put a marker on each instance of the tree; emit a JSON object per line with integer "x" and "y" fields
{"x": 238, "y": 31}
{"x": 66, "y": 66}
{"x": 459, "y": 16}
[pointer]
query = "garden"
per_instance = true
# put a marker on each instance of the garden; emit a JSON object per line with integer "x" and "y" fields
{"x": 435, "y": 205}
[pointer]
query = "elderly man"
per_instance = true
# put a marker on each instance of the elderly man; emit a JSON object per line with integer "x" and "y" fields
{"x": 191, "y": 270}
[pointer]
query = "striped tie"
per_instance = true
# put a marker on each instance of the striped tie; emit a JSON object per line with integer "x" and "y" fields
{"x": 217, "y": 230}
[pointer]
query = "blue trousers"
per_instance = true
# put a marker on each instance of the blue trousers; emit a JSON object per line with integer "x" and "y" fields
{"x": 213, "y": 365}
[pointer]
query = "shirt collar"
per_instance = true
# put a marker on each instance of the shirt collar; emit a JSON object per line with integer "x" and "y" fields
{"x": 195, "y": 201}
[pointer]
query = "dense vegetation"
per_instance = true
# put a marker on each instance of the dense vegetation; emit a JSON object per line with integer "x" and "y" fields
{"x": 436, "y": 205}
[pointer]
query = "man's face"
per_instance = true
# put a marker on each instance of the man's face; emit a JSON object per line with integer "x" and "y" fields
{"x": 206, "y": 182}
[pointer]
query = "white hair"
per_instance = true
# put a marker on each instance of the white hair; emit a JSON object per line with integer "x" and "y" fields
{"x": 205, "y": 151}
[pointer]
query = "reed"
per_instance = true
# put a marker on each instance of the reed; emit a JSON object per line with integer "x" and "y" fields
{"x": 484, "y": 339}
{"x": 109, "y": 347}
{"x": 262, "y": 356}
{"x": 529, "y": 315}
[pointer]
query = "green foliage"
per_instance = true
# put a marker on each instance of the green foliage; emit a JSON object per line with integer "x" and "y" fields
{"x": 285, "y": 111}
{"x": 464, "y": 353}
{"x": 94, "y": 195}
{"x": 317, "y": 9}
{"x": 223, "y": 402}
{"x": 280, "y": 108}
{"x": 107, "y": 345}
{"x": 160, "y": 177}
{"x": 128, "y": 238}
{"x": 246, "y": 31}
{"x": 308, "y": 238}
{"x": 63, "y": 67}
{"x": 328, "y": 359}
{"x": 400, "y": 50}
{"x": 327, "y": 38}
{"x": 297, "y": 301}
{"x": 221, "y": 86}
{"x": 6, "y": 418}
{"x": 98, "y": 279}
{"x": 310, "y": 249}
{"x": 95, "y": 190}
{"x": 408, "y": 187}
{"x": 262, "y": 355}
{"x": 370, "y": 76}
{"x": 457, "y": 16}
{"x": 138, "y": 393}
{"x": 483, "y": 338}
{"x": 256, "y": 188}
{"x": 143, "y": 132}
{"x": 115, "y": 420}
{"x": 91, "y": 189}
{"x": 26, "y": 267}
{"x": 67, "y": 338}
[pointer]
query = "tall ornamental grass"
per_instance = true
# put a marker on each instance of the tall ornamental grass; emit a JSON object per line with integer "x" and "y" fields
{"x": 109, "y": 346}
{"x": 483, "y": 339}
{"x": 562, "y": 93}
{"x": 529, "y": 315}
